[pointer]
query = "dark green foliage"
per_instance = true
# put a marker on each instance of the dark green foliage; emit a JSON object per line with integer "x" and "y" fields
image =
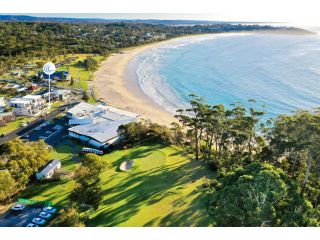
{"x": 69, "y": 218}
{"x": 87, "y": 190}
{"x": 228, "y": 136}
{"x": 139, "y": 131}
{"x": 85, "y": 95}
{"x": 25, "y": 158}
{"x": 20, "y": 41}
{"x": 90, "y": 64}
{"x": 260, "y": 195}
{"x": 7, "y": 185}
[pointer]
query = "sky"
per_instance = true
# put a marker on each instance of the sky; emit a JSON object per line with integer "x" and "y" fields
{"x": 296, "y": 12}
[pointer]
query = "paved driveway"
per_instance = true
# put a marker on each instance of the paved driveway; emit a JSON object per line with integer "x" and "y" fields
{"x": 21, "y": 219}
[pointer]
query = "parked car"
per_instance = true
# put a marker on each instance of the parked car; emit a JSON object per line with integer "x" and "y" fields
{"x": 45, "y": 215}
{"x": 38, "y": 128}
{"x": 18, "y": 207}
{"x": 39, "y": 221}
{"x": 51, "y": 210}
{"x": 32, "y": 225}
{"x": 23, "y": 124}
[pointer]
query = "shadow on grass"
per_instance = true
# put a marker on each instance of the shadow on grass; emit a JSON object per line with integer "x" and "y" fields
{"x": 141, "y": 189}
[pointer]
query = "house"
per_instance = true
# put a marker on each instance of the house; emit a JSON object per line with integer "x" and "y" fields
{"x": 30, "y": 105}
{"x": 57, "y": 76}
{"x": 97, "y": 125}
{"x": 62, "y": 94}
{"x": 17, "y": 87}
{"x": 48, "y": 170}
{"x": 59, "y": 94}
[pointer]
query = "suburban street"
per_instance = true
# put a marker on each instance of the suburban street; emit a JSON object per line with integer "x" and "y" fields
{"x": 25, "y": 130}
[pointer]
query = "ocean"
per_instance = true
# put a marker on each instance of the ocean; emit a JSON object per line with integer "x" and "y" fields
{"x": 280, "y": 72}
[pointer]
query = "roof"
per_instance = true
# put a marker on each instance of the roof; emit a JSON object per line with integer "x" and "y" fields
{"x": 84, "y": 108}
{"x": 101, "y": 131}
{"x": 20, "y": 100}
{"x": 50, "y": 165}
{"x": 57, "y": 74}
{"x": 103, "y": 121}
{"x": 32, "y": 97}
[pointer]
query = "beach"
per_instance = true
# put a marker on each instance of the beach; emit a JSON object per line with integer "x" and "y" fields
{"x": 232, "y": 75}
{"x": 113, "y": 86}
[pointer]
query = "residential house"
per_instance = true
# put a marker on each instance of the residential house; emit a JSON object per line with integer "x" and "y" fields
{"x": 57, "y": 76}
{"x": 30, "y": 105}
{"x": 48, "y": 170}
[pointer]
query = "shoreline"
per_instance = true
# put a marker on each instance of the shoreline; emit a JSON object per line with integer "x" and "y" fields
{"x": 114, "y": 85}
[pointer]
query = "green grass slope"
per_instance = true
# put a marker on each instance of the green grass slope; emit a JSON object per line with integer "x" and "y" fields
{"x": 163, "y": 188}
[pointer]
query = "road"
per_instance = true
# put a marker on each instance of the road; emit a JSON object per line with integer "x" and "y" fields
{"x": 20, "y": 219}
{"x": 25, "y": 130}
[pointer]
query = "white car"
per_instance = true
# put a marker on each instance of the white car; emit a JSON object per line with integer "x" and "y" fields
{"x": 32, "y": 225}
{"x": 39, "y": 221}
{"x": 45, "y": 215}
{"x": 18, "y": 207}
{"x": 49, "y": 210}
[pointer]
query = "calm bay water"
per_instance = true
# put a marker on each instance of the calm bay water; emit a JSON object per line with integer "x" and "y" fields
{"x": 281, "y": 72}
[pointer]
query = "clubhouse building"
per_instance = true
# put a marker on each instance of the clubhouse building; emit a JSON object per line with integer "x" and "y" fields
{"x": 97, "y": 125}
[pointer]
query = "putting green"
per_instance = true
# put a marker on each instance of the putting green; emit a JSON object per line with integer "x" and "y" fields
{"x": 153, "y": 160}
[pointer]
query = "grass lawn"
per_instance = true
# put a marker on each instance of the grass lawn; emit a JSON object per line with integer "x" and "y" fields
{"x": 11, "y": 126}
{"x": 163, "y": 188}
{"x": 80, "y": 75}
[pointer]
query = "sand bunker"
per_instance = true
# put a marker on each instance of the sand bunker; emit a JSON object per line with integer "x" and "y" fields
{"x": 126, "y": 165}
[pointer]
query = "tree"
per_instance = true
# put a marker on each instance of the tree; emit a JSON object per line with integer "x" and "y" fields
{"x": 85, "y": 95}
{"x": 90, "y": 64}
{"x": 177, "y": 134}
{"x": 71, "y": 81}
{"x": 193, "y": 120}
{"x": 87, "y": 190}
{"x": 134, "y": 131}
{"x": 259, "y": 195}
{"x": 297, "y": 139}
{"x": 94, "y": 163}
{"x": 7, "y": 185}
{"x": 25, "y": 159}
{"x": 69, "y": 218}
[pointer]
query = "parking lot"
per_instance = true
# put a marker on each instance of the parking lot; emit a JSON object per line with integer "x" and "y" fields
{"x": 50, "y": 131}
{"x": 10, "y": 219}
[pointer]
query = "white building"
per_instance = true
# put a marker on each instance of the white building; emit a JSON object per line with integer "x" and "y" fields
{"x": 30, "y": 105}
{"x": 47, "y": 172}
{"x": 98, "y": 125}
{"x": 2, "y": 102}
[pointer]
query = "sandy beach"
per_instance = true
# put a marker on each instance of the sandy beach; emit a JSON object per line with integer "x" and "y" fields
{"x": 113, "y": 86}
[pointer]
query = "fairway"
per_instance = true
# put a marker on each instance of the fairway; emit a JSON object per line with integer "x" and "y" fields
{"x": 164, "y": 188}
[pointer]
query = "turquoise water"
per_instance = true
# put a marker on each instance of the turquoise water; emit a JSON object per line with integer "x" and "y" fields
{"x": 281, "y": 72}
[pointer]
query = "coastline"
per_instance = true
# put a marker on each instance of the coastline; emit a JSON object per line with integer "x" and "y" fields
{"x": 114, "y": 85}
